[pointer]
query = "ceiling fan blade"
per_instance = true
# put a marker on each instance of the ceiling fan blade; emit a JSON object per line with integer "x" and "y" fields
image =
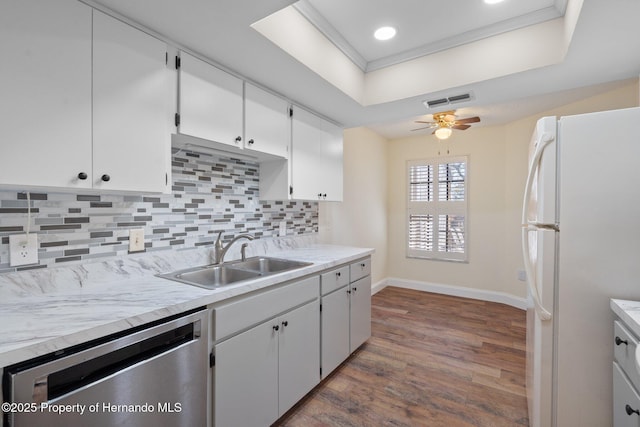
{"x": 422, "y": 128}
{"x": 422, "y": 121}
{"x": 468, "y": 120}
{"x": 461, "y": 127}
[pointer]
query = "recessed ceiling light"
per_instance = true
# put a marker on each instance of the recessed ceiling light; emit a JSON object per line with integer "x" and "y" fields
{"x": 493, "y": 1}
{"x": 385, "y": 33}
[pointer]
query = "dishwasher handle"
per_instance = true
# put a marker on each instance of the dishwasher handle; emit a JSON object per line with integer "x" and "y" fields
{"x": 66, "y": 374}
{"x": 74, "y": 377}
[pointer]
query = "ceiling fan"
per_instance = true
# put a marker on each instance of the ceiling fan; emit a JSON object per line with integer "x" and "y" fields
{"x": 445, "y": 121}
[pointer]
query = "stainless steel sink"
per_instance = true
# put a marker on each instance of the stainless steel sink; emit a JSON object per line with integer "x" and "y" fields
{"x": 228, "y": 273}
{"x": 266, "y": 265}
{"x": 213, "y": 276}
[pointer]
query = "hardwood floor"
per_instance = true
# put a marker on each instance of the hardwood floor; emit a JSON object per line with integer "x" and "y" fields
{"x": 432, "y": 360}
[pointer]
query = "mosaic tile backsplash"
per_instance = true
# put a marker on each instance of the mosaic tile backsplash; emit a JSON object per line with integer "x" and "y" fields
{"x": 210, "y": 193}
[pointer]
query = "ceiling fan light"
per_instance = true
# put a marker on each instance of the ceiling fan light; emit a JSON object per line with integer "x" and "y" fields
{"x": 443, "y": 133}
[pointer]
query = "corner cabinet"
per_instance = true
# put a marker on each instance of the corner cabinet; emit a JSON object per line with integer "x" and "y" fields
{"x": 315, "y": 168}
{"x": 83, "y": 106}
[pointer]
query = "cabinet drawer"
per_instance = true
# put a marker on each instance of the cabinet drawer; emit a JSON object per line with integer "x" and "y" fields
{"x": 625, "y": 354}
{"x": 334, "y": 279}
{"x": 360, "y": 269}
{"x": 240, "y": 314}
{"x": 624, "y": 395}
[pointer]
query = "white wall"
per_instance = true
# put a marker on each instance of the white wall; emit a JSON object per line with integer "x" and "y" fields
{"x": 361, "y": 220}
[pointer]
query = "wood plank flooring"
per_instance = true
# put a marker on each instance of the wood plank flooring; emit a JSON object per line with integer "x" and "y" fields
{"x": 432, "y": 360}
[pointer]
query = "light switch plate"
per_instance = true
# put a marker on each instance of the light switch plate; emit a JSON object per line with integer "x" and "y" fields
{"x": 136, "y": 240}
{"x": 23, "y": 249}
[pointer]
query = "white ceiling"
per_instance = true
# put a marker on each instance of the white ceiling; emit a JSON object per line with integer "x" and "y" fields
{"x": 604, "y": 48}
{"x": 424, "y": 27}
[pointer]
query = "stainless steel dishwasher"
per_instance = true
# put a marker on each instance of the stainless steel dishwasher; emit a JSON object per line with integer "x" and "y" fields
{"x": 153, "y": 376}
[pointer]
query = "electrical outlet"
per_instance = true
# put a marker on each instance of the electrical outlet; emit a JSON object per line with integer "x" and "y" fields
{"x": 136, "y": 240}
{"x": 283, "y": 228}
{"x": 23, "y": 249}
{"x": 522, "y": 276}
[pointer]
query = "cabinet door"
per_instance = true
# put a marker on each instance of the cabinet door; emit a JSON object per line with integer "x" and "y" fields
{"x": 335, "y": 330}
{"x": 299, "y": 359}
{"x": 332, "y": 162}
{"x": 267, "y": 124}
{"x": 245, "y": 378}
{"x": 131, "y": 136}
{"x": 45, "y": 86}
{"x": 624, "y": 395}
{"x": 306, "y": 152}
{"x": 210, "y": 102}
{"x": 360, "y": 312}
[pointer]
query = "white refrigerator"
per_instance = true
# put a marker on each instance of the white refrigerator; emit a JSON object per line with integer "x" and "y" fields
{"x": 581, "y": 247}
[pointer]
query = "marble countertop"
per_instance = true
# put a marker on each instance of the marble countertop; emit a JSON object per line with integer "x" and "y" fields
{"x": 47, "y": 310}
{"x": 629, "y": 312}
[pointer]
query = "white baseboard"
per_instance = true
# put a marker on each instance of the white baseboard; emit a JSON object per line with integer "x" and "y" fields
{"x": 457, "y": 291}
{"x": 377, "y": 287}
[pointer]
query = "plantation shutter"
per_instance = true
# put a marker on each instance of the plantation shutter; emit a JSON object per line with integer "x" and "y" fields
{"x": 437, "y": 209}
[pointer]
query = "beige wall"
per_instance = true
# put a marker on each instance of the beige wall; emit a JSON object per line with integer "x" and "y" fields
{"x": 497, "y": 171}
{"x": 374, "y": 207}
{"x": 361, "y": 220}
{"x": 517, "y": 137}
{"x": 485, "y": 149}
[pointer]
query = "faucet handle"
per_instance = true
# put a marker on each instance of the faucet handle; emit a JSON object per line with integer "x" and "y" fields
{"x": 243, "y": 249}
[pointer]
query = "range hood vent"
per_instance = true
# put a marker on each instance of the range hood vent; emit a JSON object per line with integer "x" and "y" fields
{"x": 454, "y": 99}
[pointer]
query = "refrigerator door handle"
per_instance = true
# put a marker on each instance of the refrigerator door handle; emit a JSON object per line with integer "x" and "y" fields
{"x": 532, "y": 281}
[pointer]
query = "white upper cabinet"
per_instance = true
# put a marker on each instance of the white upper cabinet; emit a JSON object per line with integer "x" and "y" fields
{"x": 210, "y": 102}
{"x": 80, "y": 107}
{"x": 131, "y": 134}
{"x": 316, "y": 158}
{"x": 45, "y": 87}
{"x": 267, "y": 123}
{"x": 332, "y": 161}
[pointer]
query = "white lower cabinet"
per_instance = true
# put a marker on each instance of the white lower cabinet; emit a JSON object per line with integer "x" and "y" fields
{"x": 346, "y": 312}
{"x": 360, "y": 313}
{"x": 626, "y": 378}
{"x": 246, "y": 377}
{"x": 626, "y": 401}
{"x": 335, "y": 329}
{"x": 271, "y": 347}
{"x": 260, "y": 373}
{"x": 299, "y": 354}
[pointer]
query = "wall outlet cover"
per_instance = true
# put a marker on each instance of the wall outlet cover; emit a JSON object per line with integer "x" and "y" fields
{"x": 522, "y": 276}
{"x": 136, "y": 240}
{"x": 23, "y": 249}
{"x": 283, "y": 229}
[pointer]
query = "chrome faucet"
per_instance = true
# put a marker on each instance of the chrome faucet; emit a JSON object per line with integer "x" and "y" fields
{"x": 219, "y": 250}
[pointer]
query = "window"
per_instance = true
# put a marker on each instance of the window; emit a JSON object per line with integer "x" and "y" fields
{"x": 437, "y": 208}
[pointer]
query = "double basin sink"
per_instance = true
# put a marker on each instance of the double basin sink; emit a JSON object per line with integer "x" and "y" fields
{"x": 232, "y": 272}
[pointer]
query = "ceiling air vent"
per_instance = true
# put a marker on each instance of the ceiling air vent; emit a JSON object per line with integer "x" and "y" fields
{"x": 454, "y": 99}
